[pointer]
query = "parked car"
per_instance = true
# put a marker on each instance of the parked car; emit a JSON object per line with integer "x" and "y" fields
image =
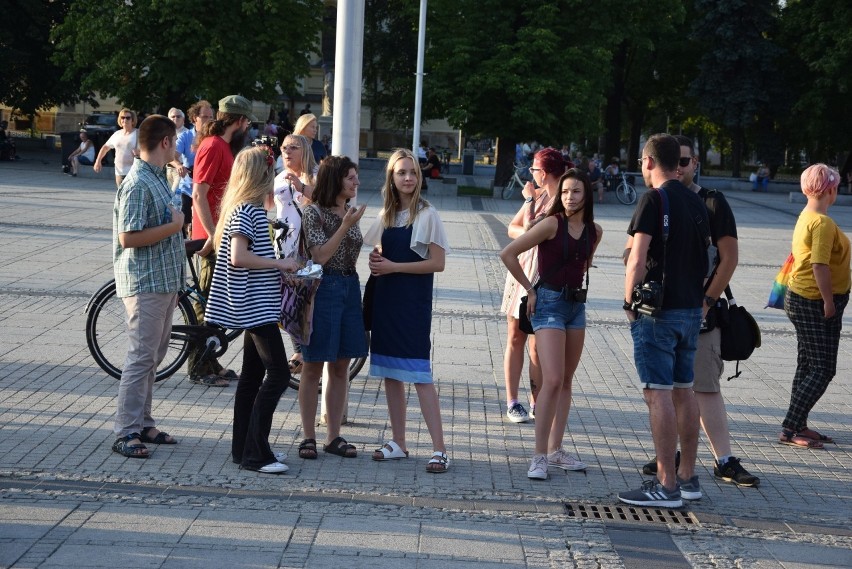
{"x": 101, "y": 122}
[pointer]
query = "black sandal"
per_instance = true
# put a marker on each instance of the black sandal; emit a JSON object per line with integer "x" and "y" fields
{"x": 340, "y": 447}
{"x": 308, "y": 449}
{"x": 123, "y": 447}
{"x": 160, "y": 439}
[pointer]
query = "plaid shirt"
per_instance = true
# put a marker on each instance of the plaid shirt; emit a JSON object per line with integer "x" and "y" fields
{"x": 141, "y": 202}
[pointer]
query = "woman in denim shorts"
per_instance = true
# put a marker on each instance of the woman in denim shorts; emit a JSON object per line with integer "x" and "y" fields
{"x": 566, "y": 240}
{"x": 334, "y": 240}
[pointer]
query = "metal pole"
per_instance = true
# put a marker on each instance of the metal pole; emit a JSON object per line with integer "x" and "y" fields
{"x": 346, "y": 111}
{"x": 418, "y": 90}
{"x": 348, "y": 61}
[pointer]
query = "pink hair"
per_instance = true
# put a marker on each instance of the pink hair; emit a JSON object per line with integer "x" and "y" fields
{"x": 818, "y": 180}
{"x": 551, "y": 161}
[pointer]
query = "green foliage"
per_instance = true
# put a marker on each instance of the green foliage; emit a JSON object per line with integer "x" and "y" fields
{"x": 818, "y": 34}
{"x": 29, "y": 79}
{"x": 163, "y": 52}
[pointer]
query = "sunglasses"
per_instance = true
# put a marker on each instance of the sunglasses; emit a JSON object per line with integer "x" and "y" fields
{"x": 127, "y": 118}
{"x": 684, "y": 162}
{"x": 291, "y": 148}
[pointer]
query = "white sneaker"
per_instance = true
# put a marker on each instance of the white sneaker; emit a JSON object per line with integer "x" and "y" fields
{"x": 538, "y": 467}
{"x": 274, "y": 468}
{"x": 517, "y": 414}
{"x": 280, "y": 456}
{"x": 561, "y": 459}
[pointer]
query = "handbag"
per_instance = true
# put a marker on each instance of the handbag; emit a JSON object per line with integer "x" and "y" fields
{"x": 779, "y": 286}
{"x": 297, "y": 305}
{"x": 740, "y": 334}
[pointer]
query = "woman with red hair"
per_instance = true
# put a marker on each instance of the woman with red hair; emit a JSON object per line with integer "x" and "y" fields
{"x": 548, "y": 165}
{"x": 817, "y": 294}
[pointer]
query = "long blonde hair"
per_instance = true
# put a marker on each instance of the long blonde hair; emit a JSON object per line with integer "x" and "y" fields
{"x": 251, "y": 182}
{"x": 390, "y": 193}
{"x": 309, "y": 165}
{"x": 302, "y": 123}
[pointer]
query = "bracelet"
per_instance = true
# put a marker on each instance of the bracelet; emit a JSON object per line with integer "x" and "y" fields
{"x": 531, "y": 289}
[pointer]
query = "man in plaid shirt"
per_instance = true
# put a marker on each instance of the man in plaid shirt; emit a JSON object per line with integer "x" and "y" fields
{"x": 148, "y": 259}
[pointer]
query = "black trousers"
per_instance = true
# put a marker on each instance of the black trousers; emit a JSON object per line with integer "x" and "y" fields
{"x": 256, "y": 399}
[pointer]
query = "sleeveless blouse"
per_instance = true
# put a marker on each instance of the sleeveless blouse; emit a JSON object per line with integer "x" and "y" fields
{"x": 569, "y": 253}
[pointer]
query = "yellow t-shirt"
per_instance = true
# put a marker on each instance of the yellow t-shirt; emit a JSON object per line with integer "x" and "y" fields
{"x": 817, "y": 239}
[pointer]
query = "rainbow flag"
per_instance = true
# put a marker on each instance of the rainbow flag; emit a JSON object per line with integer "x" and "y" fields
{"x": 779, "y": 286}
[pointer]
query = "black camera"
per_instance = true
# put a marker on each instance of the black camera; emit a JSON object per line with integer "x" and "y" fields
{"x": 270, "y": 141}
{"x": 647, "y": 298}
{"x": 575, "y": 294}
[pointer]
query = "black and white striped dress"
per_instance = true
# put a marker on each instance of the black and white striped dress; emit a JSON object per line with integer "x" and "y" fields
{"x": 239, "y": 297}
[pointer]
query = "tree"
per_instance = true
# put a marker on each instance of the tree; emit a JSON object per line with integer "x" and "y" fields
{"x": 29, "y": 79}
{"x": 818, "y": 34}
{"x": 171, "y": 52}
{"x": 738, "y": 67}
{"x": 515, "y": 71}
{"x": 390, "y": 61}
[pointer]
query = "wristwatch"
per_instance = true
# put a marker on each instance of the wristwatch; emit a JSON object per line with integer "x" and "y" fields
{"x": 710, "y": 301}
{"x": 529, "y": 199}
{"x": 627, "y": 306}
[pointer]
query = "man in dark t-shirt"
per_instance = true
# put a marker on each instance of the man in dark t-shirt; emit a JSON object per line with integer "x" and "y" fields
{"x": 664, "y": 343}
{"x": 708, "y": 359}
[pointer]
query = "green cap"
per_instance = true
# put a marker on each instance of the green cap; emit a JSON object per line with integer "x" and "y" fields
{"x": 237, "y": 105}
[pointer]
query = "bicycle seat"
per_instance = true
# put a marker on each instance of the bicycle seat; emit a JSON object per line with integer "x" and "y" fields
{"x": 193, "y": 246}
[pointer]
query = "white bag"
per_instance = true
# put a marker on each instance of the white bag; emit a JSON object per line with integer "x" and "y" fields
{"x": 752, "y": 177}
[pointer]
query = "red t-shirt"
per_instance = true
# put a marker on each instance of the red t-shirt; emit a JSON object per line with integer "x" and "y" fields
{"x": 213, "y": 163}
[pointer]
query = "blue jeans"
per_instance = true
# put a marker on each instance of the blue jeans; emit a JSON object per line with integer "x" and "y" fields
{"x": 553, "y": 311}
{"x": 664, "y": 347}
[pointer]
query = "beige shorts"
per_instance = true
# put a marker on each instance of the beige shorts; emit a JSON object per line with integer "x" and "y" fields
{"x": 708, "y": 362}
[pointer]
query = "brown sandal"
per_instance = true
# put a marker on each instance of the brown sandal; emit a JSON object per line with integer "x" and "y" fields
{"x": 793, "y": 439}
{"x": 308, "y": 449}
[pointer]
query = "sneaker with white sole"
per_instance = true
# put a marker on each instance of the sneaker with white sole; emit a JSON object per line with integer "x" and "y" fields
{"x": 517, "y": 414}
{"x": 652, "y": 494}
{"x": 274, "y": 468}
{"x": 561, "y": 459}
{"x": 690, "y": 489}
{"x": 538, "y": 467}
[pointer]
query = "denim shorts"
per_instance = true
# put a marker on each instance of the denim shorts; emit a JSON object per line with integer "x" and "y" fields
{"x": 664, "y": 347}
{"x": 553, "y": 311}
{"x": 338, "y": 331}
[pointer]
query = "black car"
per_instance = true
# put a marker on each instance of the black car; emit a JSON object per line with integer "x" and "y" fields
{"x": 101, "y": 122}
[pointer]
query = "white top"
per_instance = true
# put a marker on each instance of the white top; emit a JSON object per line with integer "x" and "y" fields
{"x": 124, "y": 145}
{"x": 87, "y": 152}
{"x": 289, "y": 203}
{"x": 239, "y": 297}
{"x": 428, "y": 229}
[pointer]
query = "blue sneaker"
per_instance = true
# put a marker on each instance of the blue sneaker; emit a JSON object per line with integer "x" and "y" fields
{"x": 652, "y": 494}
{"x": 690, "y": 489}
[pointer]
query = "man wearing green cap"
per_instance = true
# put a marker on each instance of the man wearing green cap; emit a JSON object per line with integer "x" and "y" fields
{"x": 218, "y": 143}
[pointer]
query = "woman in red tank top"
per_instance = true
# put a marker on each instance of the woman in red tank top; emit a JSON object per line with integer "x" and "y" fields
{"x": 566, "y": 239}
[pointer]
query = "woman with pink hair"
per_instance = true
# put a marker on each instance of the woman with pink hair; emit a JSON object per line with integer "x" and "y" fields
{"x": 817, "y": 293}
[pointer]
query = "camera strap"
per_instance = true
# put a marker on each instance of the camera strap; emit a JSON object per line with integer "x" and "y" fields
{"x": 664, "y": 223}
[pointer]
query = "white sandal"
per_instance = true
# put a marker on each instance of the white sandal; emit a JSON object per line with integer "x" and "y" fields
{"x": 439, "y": 463}
{"x": 389, "y": 451}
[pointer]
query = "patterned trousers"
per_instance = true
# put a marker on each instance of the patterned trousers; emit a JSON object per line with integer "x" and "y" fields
{"x": 818, "y": 341}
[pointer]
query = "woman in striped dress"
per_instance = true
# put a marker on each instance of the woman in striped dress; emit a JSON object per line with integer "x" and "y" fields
{"x": 246, "y": 294}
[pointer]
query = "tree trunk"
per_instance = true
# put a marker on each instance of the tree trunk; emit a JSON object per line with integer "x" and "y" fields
{"x": 612, "y": 112}
{"x": 505, "y": 161}
{"x": 637, "y": 120}
{"x": 737, "y": 140}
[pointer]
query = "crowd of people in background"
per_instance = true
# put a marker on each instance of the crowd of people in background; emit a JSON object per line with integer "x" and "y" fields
{"x": 226, "y": 186}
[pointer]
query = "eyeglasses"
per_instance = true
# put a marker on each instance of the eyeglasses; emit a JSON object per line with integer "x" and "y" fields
{"x": 291, "y": 148}
{"x": 175, "y": 117}
{"x": 534, "y": 170}
{"x": 642, "y": 160}
{"x": 684, "y": 162}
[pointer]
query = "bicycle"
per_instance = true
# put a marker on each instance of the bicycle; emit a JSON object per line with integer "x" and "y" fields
{"x": 625, "y": 192}
{"x": 106, "y": 330}
{"x": 515, "y": 182}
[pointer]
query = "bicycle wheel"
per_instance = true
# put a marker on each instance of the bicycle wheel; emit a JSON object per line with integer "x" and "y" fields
{"x": 106, "y": 334}
{"x": 626, "y": 193}
{"x": 509, "y": 189}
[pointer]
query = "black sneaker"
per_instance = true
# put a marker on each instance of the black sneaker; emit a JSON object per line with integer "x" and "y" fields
{"x": 652, "y": 493}
{"x": 732, "y": 471}
{"x": 651, "y": 468}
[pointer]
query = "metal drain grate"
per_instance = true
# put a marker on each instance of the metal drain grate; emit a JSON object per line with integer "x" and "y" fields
{"x": 629, "y": 514}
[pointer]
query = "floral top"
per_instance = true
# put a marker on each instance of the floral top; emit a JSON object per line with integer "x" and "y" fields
{"x": 320, "y": 224}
